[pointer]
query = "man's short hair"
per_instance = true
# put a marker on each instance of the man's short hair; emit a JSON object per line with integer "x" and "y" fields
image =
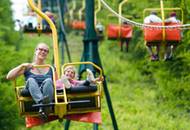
{"x": 173, "y": 14}
{"x": 153, "y": 12}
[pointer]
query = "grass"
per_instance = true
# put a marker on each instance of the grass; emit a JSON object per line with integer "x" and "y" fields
{"x": 134, "y": 95}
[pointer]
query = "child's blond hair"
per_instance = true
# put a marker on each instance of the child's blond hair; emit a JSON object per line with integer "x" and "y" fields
{"x": 72, "y": 68}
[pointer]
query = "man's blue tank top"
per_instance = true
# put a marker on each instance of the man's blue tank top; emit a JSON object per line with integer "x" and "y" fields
{"x": 39, "y": 78}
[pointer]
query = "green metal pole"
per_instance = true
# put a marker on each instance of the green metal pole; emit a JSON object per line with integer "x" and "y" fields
{"x": 90, "y": 40}
{"x": 109, "y": 103}
{"x": 91, "y": 53}
{"x": 52, "y": 9}
{"x": 62, "y": 33}
{"x": 60, "y": 3}
{"x": 95, "y": 126}
{"x": 67, "y": 124}
{"x": 63, "y": 40}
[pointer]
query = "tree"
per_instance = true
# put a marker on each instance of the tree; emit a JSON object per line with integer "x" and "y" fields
{"x": 8, "y": 113}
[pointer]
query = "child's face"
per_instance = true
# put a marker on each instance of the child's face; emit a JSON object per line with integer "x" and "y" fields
{"x": 70, "y": 73}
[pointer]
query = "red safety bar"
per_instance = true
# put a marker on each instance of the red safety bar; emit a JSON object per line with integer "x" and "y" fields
{"x": 156, "y": 34}
{"x": 116, "y": 31}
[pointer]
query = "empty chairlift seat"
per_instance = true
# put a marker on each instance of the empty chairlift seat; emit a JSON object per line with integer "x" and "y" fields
{"x": 78, "y": 25}
{"x": 113, "y": 31}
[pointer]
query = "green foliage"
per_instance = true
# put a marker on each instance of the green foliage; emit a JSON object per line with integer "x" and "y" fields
{"x": 8, "y": 59}
{"x": 6, "y": 23}
{"x": 8, "y": 114}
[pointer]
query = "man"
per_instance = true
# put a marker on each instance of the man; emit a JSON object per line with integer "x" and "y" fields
{"x": 169, "y": 46}
{"x": 152, "y": 18}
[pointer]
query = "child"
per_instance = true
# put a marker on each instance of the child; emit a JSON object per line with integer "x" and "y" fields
{"x": 69, "y": 80}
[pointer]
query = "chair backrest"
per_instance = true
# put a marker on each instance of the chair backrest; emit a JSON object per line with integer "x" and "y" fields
{"x": 156, "y": 34}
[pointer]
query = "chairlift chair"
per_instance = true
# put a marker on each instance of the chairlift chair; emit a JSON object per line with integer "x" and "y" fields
{"x": 75, "y": 100}
{"x": 80, "y": 23}
{"x": 158, "y": 35}
{"x": 91, "y": 94}
{"x": 98, "y": 25}
{"x": 121, "y": 31}
{"x": 35, "y": 24}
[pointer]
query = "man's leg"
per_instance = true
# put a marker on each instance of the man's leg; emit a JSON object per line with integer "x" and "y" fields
{"x": 157, "y": 52}
{"x": 121, "y": 45}
{"x": 167, "y": 52}
{"x": 127, "y": 44}
{"x": 173, "y": 47}
{"x": 149, "y": 48}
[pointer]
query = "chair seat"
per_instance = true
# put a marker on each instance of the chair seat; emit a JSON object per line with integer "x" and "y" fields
{"x": 79, "y": 89}
{"x": 25, "y": 92}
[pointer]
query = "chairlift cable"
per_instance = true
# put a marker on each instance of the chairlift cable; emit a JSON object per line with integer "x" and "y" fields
{"x": 184, "y": 26}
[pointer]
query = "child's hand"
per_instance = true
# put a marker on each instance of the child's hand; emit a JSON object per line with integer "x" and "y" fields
{"x": 65, "y": 81}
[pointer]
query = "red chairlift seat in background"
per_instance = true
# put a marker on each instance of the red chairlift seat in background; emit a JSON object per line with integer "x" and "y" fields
{"x": 113, "y": 31}
{"x": 78, "y": 25}
{"x": 126, "y": 31}
{"x": 116, "y": 31}
{"x": 153, "y": 34}
{"x": 156, "y": 34}
{"x": 173, "y": 34}
{"x": 122, "y": 32}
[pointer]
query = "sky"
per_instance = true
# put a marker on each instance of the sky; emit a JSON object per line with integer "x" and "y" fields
{"x": 19, "y": 8}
